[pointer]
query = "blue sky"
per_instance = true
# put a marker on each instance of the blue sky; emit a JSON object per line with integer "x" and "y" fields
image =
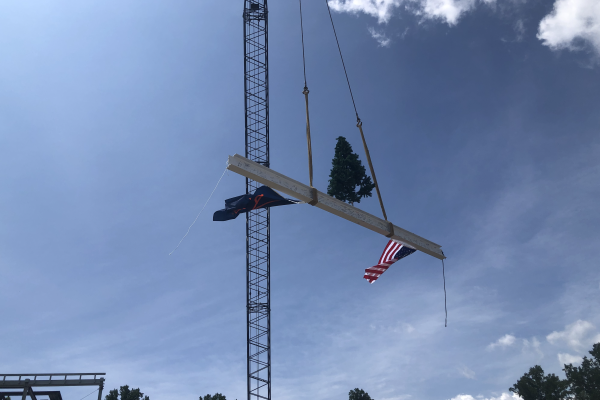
{"x": 116, "y": 119}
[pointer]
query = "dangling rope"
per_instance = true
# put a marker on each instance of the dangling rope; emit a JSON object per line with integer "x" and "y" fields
{"x": 305, "y": 92}
{"x": 302, "y": 35}
{"x": 188, "y": 231}
{"x": 445, "y": 306}
{"x": 359, "y": 125}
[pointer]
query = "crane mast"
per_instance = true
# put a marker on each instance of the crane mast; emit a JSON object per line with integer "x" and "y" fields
{"x": 258, "y": 243}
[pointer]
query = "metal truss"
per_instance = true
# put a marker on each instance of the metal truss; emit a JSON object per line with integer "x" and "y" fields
{"x": 258, "y": 263}
{"x": 26, "y": 382}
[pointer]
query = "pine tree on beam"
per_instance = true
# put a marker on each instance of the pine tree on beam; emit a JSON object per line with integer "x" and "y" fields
{"x": 348, "y": 174}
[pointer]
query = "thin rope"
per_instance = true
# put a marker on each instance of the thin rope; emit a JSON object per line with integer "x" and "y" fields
{"x": 342, "y": 57}
{"x": 302, "y": 33}
{"x": 89, "y": 394}
{"x": 188, "y": 231}
{"x": 445, "y": 306}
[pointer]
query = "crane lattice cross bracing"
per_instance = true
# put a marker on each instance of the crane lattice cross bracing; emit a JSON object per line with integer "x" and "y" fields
{"x": 258, "y": 257}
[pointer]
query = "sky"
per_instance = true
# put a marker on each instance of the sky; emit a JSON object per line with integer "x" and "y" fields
{"x": 116, "y": 120}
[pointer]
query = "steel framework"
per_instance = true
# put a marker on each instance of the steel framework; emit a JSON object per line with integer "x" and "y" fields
{"x": 26, "y": 382}
{"x": 258, "y": 259}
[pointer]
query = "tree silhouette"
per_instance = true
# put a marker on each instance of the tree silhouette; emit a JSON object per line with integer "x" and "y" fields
{"x": 124, "y": 393}
{"x": 348, "y": 174}
{"x": 216, "y": 396}
{"x": 534, "y": 385}
{"x": 358, "y": 394}
{"x": 582, "y": 383}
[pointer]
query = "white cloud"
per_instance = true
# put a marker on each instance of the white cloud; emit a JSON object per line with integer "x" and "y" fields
{"x": 519, "y": 27}
{"x": 381, "y": 38}
{"x": 504, "y": 341}
{"x": 466, "y": 372}
{"x": 535, "y": 345}
{"x": 380, "y": 9}
{"x": 448, "y": 11}
{"x": 569, "y": 21}
{"x": 503, "y": 396}
{"x": 566, "y": 358}
{"x": 578, "y": 336}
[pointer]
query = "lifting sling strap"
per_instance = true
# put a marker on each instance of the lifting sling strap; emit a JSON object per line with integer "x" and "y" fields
{"x": 308, "y": 142}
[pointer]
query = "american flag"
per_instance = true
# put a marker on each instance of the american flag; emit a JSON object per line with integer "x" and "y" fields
{"x": 393, "y": 252}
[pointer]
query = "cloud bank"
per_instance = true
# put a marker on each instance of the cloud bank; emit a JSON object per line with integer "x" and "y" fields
{"x": 448, "y": 11}
{"x": 570, "y": 22}
{"x": 578, "y": 336}
{"x": 566, "y": 358}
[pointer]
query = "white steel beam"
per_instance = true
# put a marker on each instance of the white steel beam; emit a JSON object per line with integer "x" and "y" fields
{"x": 291, "y": 187}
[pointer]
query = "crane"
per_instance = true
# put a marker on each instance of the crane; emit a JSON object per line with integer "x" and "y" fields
{"x": 256, "y": 168}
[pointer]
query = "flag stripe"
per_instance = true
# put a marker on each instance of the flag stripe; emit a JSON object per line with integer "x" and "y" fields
{"x": 388, "y": 249}
{"x": 376, "y": 270}
{"x": 392, "y": 251}
{"x": 385, "y": 257}
{"x": 385, "y": 261}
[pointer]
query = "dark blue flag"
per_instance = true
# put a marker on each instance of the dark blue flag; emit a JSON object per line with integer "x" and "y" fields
{"x": 263, "y": 197}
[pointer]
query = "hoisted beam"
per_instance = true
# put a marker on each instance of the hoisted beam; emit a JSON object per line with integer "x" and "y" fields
{"x": 291, "y": 187}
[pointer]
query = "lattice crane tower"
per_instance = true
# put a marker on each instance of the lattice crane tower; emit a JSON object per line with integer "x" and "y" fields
{"x": 258, "y": 242}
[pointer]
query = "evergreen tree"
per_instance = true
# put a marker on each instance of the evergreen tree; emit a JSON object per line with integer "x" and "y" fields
{"x": 348, "y": 174}
{"x": 358, "y": 394}
{"x": 124, "y": 393}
